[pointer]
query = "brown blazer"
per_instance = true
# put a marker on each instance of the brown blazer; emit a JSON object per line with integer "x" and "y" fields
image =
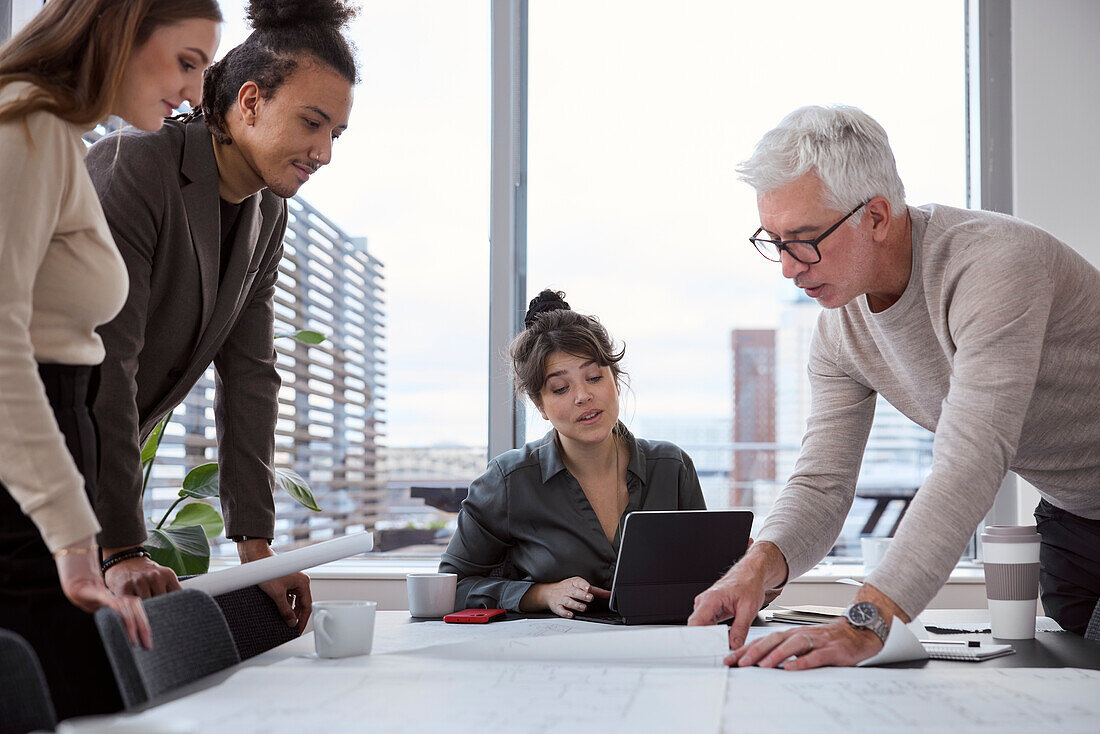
{"x": 160, "y": 194}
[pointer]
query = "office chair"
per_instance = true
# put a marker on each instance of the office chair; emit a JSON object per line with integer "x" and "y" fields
{"x": 25, "y": 703}
{"x": 254, "y": 621}
{"x": 1093, "y": 630}
{"x": 190, "y": 640}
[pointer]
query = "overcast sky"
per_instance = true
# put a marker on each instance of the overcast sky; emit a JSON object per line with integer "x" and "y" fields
{"x": 639, "y": 111}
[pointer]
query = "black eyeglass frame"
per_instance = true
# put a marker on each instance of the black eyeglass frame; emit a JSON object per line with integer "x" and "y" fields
{"x": 764, "y": 246}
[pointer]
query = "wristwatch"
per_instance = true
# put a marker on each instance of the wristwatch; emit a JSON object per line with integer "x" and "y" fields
{"x": 863, "y": 615}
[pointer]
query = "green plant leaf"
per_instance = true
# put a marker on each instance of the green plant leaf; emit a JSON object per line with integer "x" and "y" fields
{"x": 149, "y": 450}
{"x": 184, "y": 550}
{"x": 201, "y": 514}
{"x": 306, "y": 336}
{"x": 297, "y": 488}
{"x": 201, "y": 482}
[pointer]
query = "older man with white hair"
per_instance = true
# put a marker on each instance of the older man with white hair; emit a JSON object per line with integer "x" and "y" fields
{"x": 978, "y": 326}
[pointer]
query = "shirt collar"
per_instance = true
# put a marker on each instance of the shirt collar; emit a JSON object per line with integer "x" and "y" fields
{"x": 551, "y": 464}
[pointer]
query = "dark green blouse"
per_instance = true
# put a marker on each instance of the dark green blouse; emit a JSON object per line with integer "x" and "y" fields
{"x": 526, "y": 520}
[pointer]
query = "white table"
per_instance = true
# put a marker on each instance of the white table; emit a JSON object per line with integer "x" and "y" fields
{"x": 503, "y": 678}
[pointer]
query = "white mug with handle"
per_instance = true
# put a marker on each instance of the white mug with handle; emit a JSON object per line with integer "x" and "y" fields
{"x": 343, "y": 628}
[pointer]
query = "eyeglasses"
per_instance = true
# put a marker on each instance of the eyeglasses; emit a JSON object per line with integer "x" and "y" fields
{"x": 804, "y": 251}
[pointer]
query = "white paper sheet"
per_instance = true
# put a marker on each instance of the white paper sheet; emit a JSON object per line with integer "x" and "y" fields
{"x": 902, "y": 701}
{"x": 902, "y": 644}
{"x": 414, "y": 695}
{"x": 665, "y": 646}
{"x": 265, "y": 569}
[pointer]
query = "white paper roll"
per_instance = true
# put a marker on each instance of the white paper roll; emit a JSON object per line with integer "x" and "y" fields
{"x": 265, "y": 569}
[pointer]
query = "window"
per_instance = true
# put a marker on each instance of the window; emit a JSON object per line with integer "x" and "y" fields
{"x": 638, "y": 116}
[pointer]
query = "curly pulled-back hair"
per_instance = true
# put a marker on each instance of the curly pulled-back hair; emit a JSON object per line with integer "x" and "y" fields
{"x": 285, "y": 33}
{"x": 552, "y": 326}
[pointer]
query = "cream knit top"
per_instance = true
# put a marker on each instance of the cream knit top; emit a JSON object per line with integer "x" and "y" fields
{"x": 60, "y": 277}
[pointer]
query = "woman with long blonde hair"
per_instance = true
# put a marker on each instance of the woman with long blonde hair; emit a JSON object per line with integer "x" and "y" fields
{"x": 61, "y": 276}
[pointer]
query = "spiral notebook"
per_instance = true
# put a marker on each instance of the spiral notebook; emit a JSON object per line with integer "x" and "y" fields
{"x": 940, "y": 651}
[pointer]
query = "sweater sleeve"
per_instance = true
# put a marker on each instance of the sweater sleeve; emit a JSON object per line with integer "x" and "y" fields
{"x": 480, "y": 544}
{"x": 809, "y": 513}
{"x": 998, "y": 302}
{"x": 35, "y": 464}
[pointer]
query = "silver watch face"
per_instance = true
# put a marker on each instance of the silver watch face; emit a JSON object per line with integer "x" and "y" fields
{"x": 862, "y": 614}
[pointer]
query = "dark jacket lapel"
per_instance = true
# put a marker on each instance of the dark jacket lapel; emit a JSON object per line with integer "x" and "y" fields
{"x": 200, "y": 197}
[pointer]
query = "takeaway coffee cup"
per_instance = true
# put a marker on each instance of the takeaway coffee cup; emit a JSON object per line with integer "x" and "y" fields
{"x": 1011, "y": 579}
{"x": 874, "y": 550}
{"x": 431, "y": 595}
{"x": 343, "y": 628}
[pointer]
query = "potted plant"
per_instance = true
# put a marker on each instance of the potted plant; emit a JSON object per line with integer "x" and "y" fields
{"x": 181, "y": 542}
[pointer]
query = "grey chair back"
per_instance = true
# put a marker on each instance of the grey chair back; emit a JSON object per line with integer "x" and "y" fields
{"x": 190, "y": 640}
{"x": 1092, "y": 632}
{"x": 254, "y": 621}
{"x": 25, "y": 703}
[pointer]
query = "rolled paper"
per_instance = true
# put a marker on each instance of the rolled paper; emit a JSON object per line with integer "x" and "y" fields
{"x": 284, "y": 564}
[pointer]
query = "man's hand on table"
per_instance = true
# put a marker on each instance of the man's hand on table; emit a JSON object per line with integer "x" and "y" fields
{"x": 837, "y": 643}
{"x": 142, "y": 577}
{"x": 290, "y": 593}
{"x": 742, "y": 592}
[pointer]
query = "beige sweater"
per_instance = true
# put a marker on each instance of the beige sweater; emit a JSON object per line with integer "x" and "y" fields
{"x": 994, "y": 346}
{"x": 60, "y": 277}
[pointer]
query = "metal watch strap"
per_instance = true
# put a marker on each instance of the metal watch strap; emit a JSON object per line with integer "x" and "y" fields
{"x": 876, "y": 624}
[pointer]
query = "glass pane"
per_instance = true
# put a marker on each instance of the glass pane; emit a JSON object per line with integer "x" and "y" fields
{"x": 635, "y": 211}
{"x": 387, "y": 256}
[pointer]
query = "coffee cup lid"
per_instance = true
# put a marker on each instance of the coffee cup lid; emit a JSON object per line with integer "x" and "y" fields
{"x": 1010, "y": 534}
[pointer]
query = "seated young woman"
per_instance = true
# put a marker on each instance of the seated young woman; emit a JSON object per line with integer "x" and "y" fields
{"x": 540, "y": 529}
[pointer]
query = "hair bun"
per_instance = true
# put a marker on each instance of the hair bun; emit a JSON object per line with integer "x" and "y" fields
{"x": 288, "y": 14}
{"x": 544, "y": 302}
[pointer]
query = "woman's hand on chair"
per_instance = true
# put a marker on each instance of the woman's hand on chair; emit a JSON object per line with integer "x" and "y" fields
{"x": 83, "y": 585}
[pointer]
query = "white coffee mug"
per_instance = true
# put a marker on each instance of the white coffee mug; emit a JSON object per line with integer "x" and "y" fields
{"x": 431, "y": 595}
{"x": 343, "y": 628}
{"x": 874, "y": 550}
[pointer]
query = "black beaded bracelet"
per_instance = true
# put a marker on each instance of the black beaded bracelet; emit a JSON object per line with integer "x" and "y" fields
{"x": 139, "y": 552}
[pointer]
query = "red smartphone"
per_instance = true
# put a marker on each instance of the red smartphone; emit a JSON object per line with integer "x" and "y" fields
{"x": 475, "y": 616}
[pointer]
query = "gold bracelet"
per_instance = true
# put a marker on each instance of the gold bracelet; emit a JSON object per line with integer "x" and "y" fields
{"x": 67, "y": 551}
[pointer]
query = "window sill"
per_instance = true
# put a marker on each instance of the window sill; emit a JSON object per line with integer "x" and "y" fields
{"x": 389, "y": 569}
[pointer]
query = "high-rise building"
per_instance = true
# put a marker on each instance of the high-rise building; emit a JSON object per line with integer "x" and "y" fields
{"x": 753, "y": 427}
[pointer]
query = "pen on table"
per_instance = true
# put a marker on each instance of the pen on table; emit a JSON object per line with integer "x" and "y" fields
{"x": 968, "y": 643}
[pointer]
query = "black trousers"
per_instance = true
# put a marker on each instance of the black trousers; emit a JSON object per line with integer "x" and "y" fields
{"x": 31, "y": 601}
{"x": 1069, "y": 566}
